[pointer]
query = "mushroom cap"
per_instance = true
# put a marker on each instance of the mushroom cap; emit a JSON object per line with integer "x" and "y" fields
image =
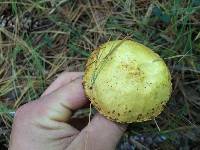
{"x": 127, "y": 82}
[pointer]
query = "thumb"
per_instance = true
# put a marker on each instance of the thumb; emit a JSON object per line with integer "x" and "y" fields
{"x": 99, "y": 134}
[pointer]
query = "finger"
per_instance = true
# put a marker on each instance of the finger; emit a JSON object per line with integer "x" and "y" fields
{"x": 48, "y": 115}
{"x": 63, "y": 79}
{"x": 99, "y": 134}
{"x": 58, "y": 104}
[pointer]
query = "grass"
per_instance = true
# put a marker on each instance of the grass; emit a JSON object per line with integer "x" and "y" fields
{"x": 31, "y": 57}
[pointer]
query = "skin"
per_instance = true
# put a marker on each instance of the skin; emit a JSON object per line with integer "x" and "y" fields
{"x": 43, "y": 124}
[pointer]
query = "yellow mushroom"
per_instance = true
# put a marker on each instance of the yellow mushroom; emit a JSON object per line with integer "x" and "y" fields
{"x": 127, "y": 82}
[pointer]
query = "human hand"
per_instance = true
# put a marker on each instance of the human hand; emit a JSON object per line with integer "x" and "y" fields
{"x": 42, "y": 124}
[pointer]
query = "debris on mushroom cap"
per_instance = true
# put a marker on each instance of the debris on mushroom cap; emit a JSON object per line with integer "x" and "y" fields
{"x": 127, "y": 82}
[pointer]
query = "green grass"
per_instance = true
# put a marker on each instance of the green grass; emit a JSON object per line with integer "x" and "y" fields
{"x": 30, "y": 61}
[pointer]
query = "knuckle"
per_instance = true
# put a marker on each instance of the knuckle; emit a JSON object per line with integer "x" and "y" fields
{"x": 23, "y": 111}
{"x": 20, "y": 111}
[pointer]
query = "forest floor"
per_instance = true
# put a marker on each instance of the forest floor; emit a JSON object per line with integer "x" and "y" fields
{"x": 40, "y": 39}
